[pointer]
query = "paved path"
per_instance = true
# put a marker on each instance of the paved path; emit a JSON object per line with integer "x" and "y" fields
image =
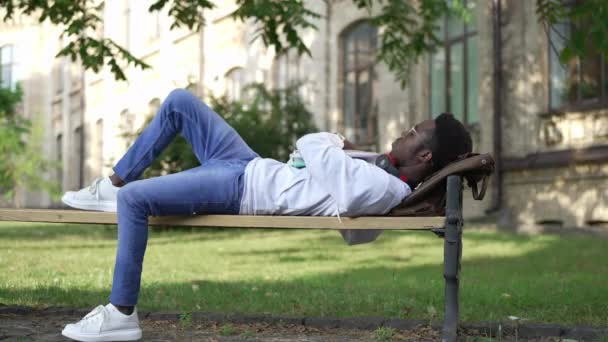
{"x": 45, "y": 328}
{"x": 29, "y": 324}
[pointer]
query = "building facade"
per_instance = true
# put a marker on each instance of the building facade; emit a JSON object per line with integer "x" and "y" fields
{"x": 546, "y": 123}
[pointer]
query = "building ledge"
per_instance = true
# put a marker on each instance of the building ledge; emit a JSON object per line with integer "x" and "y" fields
{"x": 563, "y": 158}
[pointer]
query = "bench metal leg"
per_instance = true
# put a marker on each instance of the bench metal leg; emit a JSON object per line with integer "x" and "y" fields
{"x": 452, "y": 252}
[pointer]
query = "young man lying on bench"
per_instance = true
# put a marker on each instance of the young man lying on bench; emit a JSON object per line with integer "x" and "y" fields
{"x": 233, "y": 179}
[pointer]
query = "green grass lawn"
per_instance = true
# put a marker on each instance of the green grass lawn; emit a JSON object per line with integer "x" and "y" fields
{"x": 296, "y": 272}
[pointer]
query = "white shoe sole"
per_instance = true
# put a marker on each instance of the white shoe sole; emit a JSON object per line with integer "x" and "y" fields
{"x": 118, "y": 335}
{"x": 90, "y": 205}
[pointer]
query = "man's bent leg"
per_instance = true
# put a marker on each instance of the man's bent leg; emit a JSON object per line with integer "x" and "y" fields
{"x": 182, "y": 112}
{"x": 213, "y": 188}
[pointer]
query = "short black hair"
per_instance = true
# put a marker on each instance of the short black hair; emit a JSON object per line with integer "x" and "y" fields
{"x": 450, "y": 140}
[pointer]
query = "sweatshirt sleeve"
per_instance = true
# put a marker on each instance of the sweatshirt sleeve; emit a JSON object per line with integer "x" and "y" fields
{"x": 357, "y": 186}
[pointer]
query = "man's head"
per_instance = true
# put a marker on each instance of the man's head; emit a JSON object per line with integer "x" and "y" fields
{"x": 435, "y": 143}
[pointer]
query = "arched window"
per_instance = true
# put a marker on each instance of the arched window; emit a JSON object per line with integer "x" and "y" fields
{"x": 59, "y": 150}
{"x": 126, "y": 121}
{"x": 454, "y": 78}
{"x": 235, "y": 79}
{"x": 78, "y": 150}
{"x": 99, "y": 143}
{"x": 358, "y": 50}
{"x": 153, "y": 106}
{"x": 7, "y": 67}
{"x": 285, "y": 69}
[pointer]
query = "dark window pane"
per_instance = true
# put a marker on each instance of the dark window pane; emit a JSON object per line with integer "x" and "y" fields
{"x": 559, "y": 72}
{"x": 472, "y": 8}
{"x": 359, "y": 49}
{"x": 364, "y": 59}
{"x": 569, "y": 93}
{"x": 363, "y": 34}
{"x": 438, "y": 83}
{"x": 577, "y": 81}
{"x": 590, "y": 78}
{"x": 455, "y": 26}
{"x": 6, "y": 55}
{"x": 59, "y": 149}
{"x": 473, "y": 80}
{"x": 5, "y": 76}
{"x": 349, "y": 55}
{"x": 457, "y": 80}
{"x": 440, "y": 29}
{"x": 6, "y": 66}
{"x": 78, "y": 153}
{"x": 349, "y": 105}
{"x": 364, "y": 105}
{"x": 99, "y": 143}
{"x": 234, "y": 84}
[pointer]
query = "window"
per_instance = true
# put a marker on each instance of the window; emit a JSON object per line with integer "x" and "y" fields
{"x": 59, "y": 149}
{"x": 7, "y": 67}
{"x": 126, "y": 14}
{"x": 454, "y": 78}
{"x": 126, "y": 126}
{"x": 285, "y": 69}
{"x": 58, "y": 77}
{"x": 358, "y": 50}
{"x": 126, "y": 121}
{"x": 153, "y": 106}
{"x": 582, "y": 82}
{"x": 154, "y": 25}
{"x": 79, "y": 153}
{"x": 234, "y": 79}
{"x": 99, "y": 143}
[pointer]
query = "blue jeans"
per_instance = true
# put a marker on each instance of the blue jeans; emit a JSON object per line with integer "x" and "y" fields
{"x": 215, "y": 187}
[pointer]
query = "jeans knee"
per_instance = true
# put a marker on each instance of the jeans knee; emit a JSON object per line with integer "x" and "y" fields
{"x": 179, "y": 95}
{"x": 128, "y": 197}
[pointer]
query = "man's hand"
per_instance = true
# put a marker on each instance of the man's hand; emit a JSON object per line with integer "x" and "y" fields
{"x": 349, "y": 146}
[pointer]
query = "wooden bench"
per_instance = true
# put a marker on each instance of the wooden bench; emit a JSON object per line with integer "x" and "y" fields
{"x": 449, "y": 226}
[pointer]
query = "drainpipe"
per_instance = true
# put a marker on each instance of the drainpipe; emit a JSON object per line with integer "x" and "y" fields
{"x": 328, "y": 13}
{"x": 497, "y": 194}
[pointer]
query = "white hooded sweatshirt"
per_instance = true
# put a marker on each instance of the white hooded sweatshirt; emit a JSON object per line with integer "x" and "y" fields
{"x": 332, "y": 183}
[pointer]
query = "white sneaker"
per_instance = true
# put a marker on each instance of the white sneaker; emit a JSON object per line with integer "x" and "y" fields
{"x": 105, "y": 323}
{"x": 100, "y": 196}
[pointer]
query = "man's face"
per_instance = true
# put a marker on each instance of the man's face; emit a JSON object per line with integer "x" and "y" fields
{"x": 413, "y": 146}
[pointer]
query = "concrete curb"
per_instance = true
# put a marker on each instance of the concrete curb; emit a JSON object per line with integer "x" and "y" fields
{"x": 491, "y": 329}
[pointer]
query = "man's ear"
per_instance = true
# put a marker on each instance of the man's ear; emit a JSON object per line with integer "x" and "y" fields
{"x": 424, "y": 156}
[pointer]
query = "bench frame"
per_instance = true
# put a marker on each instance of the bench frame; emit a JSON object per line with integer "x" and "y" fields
{"x": 452, "y": 254}
{"x": 450, "y": 228}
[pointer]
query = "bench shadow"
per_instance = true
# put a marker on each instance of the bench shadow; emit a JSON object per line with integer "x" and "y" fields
{"x": 52, "y": 231}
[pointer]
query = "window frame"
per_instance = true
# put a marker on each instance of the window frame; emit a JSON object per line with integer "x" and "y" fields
{"x": 447, "y": 44}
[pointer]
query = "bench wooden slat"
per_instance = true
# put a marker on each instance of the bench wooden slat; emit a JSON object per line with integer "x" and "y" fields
{"x": 239, "y": 221}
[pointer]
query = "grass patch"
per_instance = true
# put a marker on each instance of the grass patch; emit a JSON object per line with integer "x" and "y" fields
{"x": 247, "y": 334}
{"x": 185, "y": 320}
{"x": 546, "y": 278}
{"x": 384, "y": 334}
{"x": 228, "y": 330}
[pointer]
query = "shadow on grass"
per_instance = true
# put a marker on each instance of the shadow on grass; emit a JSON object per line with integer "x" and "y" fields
{"x": 550, "y": 285}
{"x": 51, "y": 231}
{"x": 556, "y": 280}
